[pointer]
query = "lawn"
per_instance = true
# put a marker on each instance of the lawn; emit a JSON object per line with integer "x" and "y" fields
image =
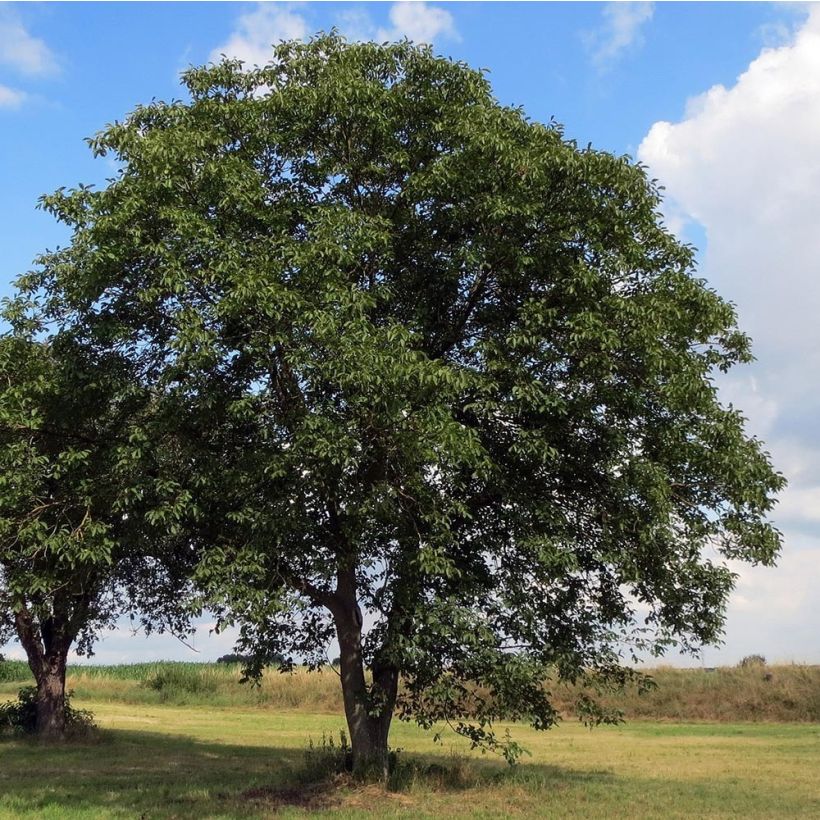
{"x": 186, "y": 761}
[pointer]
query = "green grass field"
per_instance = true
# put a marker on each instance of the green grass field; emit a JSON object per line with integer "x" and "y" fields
{"x": 180, "y": 741}
{"x": 171, "y": 761}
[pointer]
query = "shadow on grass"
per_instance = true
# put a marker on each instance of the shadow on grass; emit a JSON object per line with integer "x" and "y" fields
{"x": 126, "y": 773}
{"x": 142, "y": 774}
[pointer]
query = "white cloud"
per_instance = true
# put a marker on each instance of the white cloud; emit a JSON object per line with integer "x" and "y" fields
{"x": 10, "y": 97}
{"x": 356, "y": 24}
{"x": 257, "y": 31}
{"x": 269, "y": 23}
{"x": 760, "y": 408}
{"x": 419, "y": 22}
{"x": 122, "y": 645}
{"x": 774, "y": 611}
{"x": 800, "y": 505}
{"x": 20, "y": 51}
{"x": 743, "y": 164}
{"x": 621, "y": 30}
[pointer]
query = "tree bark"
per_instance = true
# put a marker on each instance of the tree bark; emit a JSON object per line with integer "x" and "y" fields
{"x": 51, "y": 699}
{"x": 46, "y": 648}
{"x": 368, "y": 710}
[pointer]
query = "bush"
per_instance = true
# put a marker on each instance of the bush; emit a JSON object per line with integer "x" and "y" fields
{"x": 175, "y": 681}
{"x": 325, "y": 759}
{"x": 276, "y": 659}
{"x": 752, "y": 660}
{"x": 19, "y": 717}
{"x": 234, "y": 658}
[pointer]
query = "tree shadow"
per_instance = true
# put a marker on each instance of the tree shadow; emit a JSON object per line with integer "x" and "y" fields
{"x": 128, "y": 773}
{"x": 144, "y": 774}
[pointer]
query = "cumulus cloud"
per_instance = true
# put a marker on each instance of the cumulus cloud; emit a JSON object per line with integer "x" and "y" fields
{"x": 270, "y": 23}
{"x": 743, "y": 164}
{"x": 10, "y": 97}
{"x": 258, "y": 30}
{"x": 21, "y": 51}
{"x": 622, "y": 29}
{"x": 419, "y": 22}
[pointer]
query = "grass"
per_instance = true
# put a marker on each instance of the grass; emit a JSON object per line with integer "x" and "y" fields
{"x": 162, "y": 761}
{"x": 185, "y": 740}
{"x": 203, "y": 684}
{"x": 755, "y": 693}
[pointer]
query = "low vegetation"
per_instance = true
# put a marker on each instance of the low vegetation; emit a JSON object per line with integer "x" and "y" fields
{"x": 750, "y": 692}
{"x": 701, "y": 743}
{"x": 164, "y": 761}
{"x": 18, "y": 718}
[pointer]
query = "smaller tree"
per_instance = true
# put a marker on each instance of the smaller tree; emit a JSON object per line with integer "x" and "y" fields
{"x": 71, "y": 558}
{"x": 752, "y": 661}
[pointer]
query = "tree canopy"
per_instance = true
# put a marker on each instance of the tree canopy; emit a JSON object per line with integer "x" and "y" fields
{"x": 71, "y": 559}
{"x": 423, "y": 376}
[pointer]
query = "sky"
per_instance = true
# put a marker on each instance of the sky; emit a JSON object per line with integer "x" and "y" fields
{"x": 721, "y": 102}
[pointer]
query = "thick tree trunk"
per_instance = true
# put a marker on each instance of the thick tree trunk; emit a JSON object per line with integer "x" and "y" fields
{"x": 368, "y": 711}
{"x": 51, "y": 699}
{"x": 46, "y": 649}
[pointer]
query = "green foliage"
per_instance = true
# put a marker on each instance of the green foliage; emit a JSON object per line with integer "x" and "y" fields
{"x": 395, "y": 349}
{"x": 233, "y": 658}
{"x": 752, "y": 660}
{"x": 72, "y": 558}
{"x": 175, "y": 681}
{"x": 19, "y": 718}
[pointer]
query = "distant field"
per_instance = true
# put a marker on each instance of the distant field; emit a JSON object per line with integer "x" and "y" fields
{"x": 756, "y": 693}
{"x": 155, "y": 761}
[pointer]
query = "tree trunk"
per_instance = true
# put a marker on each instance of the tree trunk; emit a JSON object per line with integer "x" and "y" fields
{"x": 51, "y": 698}
{"x": 368, "y": 711}
{"x": 46, "y": 649}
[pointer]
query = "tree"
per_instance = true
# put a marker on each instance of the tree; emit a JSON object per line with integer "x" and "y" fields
{"x": 440, "y": 383}
{"x": 70, "y": 559}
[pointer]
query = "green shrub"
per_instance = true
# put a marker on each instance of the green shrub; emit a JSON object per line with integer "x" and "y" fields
{"x": 235, "y": 658}
{"x": 752, "y": 660}
{"x": 19, "y": 717}
{"x": 177, "y": 682}
{"x": 325, "y": 759}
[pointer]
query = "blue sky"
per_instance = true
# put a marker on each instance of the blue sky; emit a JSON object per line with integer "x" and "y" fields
{"x": 721, "y": 101}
